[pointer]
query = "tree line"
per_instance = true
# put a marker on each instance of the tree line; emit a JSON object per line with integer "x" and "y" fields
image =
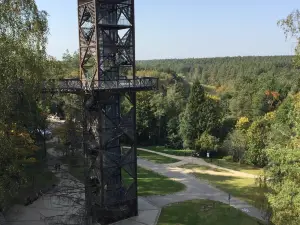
{"x": 244, "y": 109}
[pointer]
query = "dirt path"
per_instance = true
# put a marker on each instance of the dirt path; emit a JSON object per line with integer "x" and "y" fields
{"x": 198, "y": 161}
{"x": 195, "y": 189}
{"x": 52, "y": 206}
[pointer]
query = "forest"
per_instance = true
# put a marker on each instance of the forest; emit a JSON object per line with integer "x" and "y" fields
{"x": 242, "y": 109}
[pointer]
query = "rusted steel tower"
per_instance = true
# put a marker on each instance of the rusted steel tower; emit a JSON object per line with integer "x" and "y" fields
{"x": 107, "y": 70}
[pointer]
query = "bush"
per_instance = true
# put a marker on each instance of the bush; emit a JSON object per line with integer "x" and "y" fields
{"x": 236, "y": 145}
{"x": 257, "y": 135}
{"x": 227, "y": 126}
{"x": 228, "y": 158}
{"x": 174, "y": 141}
{"x": 206, "y": 143}
{"x": 256, "y": 157}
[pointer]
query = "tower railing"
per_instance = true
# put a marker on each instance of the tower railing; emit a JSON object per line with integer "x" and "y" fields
{"x": 77, "y": 85}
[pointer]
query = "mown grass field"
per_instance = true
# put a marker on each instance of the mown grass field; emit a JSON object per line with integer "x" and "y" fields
{"x": 149, "y": 183}
{"x": 204, "y": 212}
{"x": 241, "y": 187}
{"x": 236, "y": 166}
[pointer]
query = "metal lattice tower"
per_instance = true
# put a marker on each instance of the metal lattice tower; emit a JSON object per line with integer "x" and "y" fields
{"x": 107, "y": 70}
{"x": 108, "y": 86}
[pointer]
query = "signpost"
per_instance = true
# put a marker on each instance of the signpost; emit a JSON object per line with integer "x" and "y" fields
{"x": 209, "y": 156}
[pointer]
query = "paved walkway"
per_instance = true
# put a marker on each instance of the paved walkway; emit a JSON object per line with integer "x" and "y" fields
{"x": 195, "y": 189}
{"x": 148, "y": 214}
{"x": 64, "y": 203}
{"x": 149, "y": 207}
{"x": 198, "y": 161}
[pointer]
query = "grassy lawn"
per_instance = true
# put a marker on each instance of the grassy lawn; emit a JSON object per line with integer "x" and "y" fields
{"x": 149, "y": 183}
{"x": 218, "y": 162}
{"x": 204, "y": 212}
{"x": 177, "y": 152}
{"x": 243, "y": 188}
{"x": 236, "y": 166}
{"x": 155, "y": 157}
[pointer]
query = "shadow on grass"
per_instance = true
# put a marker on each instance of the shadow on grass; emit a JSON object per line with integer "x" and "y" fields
{"x": 149, "y": 183}
{"x": 204, "y": 212}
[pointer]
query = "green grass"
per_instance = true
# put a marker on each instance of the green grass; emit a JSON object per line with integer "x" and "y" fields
{"x": 204, "y": 212}
{"x": 193, "y": 166}
{"x": 236, "y": 166}
{"x": 218, "y": 162}
{"x": 149, "y": 183}
{"x": 155, "y": 157}
{"x": 177, "y": 152}
{"x": 243, "y": 188}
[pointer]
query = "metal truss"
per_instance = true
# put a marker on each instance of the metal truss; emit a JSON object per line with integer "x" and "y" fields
{"x": 108, "y": 85}
{"x": 106, "y": 37}
{"x": 117, "y": 85}
{"x": 107, "y": 69}
{"x": 112, "y": 167}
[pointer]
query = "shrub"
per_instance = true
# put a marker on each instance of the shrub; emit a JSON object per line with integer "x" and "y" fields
{"x": 236, "y": 145}
{"x": 206, "y": 143}
{"x": 228, "y": 158}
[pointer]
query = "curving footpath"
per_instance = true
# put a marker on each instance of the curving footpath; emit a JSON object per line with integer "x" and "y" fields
{"x": 195, "y": 189}
{"x": 201, "y": 162}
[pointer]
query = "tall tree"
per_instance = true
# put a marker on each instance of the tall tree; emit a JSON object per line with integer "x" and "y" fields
{"x": 284, "y": 171}
{"x": 291, "y": 28}
{"x": 176, "y": 101}
{"x": 23, "y": 63}
{"x": 284, "y": 168}
{"x": 145, "y": 118}
{"x": 201, "y": 114}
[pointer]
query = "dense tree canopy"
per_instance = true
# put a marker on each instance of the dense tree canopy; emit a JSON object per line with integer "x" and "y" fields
{"x": 241, "y": 81}
{"x": 201, "y": 114}
{"x": 240, "y": 107}
{"x": 23, "y": 65}
{"x": 246, "y": 108}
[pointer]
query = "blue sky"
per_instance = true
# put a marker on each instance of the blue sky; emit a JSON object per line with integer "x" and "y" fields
{"x": 187, "y": 28}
